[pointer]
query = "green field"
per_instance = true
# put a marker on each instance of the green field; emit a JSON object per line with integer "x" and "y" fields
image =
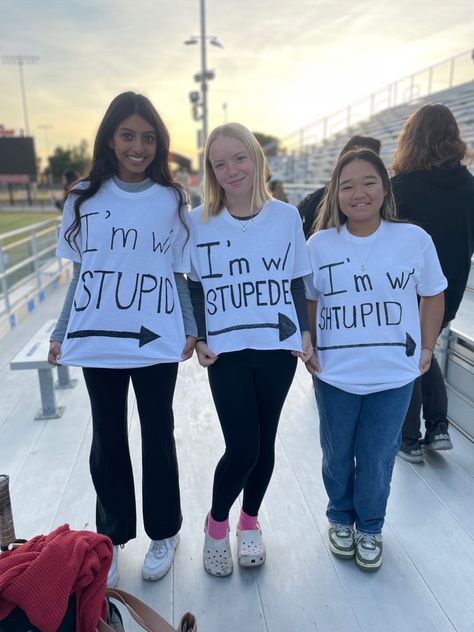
{"x": 12, "y": 221}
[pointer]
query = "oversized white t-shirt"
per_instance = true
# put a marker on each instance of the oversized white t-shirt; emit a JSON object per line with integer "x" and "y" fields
{"x": 367, "y": 320}
{"x": 126, "y": 311}
{"x": 246, "y": 276}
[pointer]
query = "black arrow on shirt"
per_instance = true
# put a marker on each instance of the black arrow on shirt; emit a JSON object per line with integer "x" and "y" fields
{"x": 286, "y": 327}
{"x": 409, "y": 344}
{"x": 144, "y": 336}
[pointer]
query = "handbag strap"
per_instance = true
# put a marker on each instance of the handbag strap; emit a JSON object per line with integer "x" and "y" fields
{"x": 147, "y": 618}
{"x": 103, "y": 626}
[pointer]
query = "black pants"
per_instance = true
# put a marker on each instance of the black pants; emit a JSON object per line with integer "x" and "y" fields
{"x": 249, "y": 388}
{"x": 429, "y": 391}
{"x": 110, "y": 463}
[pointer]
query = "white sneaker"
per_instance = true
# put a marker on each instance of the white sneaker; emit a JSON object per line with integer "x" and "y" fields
{"x": 369, "y": 551}
{"x": 113, "y": 576}
{"x": 250, "y": 547}
{"x": 159, "y": 558}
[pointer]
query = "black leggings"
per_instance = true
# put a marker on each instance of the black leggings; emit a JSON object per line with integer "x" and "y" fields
{"x": 110, "y": 462}
{"x": 249, "y": 388}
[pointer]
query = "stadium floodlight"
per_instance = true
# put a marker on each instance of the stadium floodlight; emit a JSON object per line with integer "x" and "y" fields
{"x": 20, "y": 61}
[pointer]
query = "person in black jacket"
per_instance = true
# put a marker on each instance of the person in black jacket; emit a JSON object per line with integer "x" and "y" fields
{"x": 309, "y": 206}
{"x": 434, "y": 190}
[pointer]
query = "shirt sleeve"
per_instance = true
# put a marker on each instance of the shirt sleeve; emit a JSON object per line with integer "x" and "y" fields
{"x": 309, "y": 288}
{"x": 299, "y": 300}
{"x": 197, "y": 299}
{"x": 311, "y": 292}
{"x": 64, "y": 249}
{"x": 302, "y": 265}
{"x": 59, "y": 331}
{"x": 190, "y": 328}
{"x": 432, "y": 280}
{"x": 181, "y": 247}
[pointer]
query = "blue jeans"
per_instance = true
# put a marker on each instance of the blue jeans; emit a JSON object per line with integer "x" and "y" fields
{"x": 360, "y": 437}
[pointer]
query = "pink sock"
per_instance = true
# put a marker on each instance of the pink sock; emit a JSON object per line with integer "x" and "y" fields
{"x": 246, "y": 522}
{"x": 217, "y": 530}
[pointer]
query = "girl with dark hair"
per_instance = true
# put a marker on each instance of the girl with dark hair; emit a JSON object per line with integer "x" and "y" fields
{"x": 368, "y": 270}
{"x": 434, "y": 190}
{"x": 249, "y": 256}
{"x": 128, "y": 316}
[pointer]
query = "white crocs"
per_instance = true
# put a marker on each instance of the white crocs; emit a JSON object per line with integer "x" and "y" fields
{"x": 217, "y": 555}
{"x": 250, "y": 547}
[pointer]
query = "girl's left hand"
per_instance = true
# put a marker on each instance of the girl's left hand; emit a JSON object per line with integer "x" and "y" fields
{"x": 425, "y": 360}
{"x": 188, "y": 349}
{"x": 307, "y": 345}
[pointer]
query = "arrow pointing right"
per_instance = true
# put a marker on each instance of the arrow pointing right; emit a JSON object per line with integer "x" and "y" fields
{"x": 409, "y": 344}
{"x": 286, "y": 327}
{"x": 144, "y": 336}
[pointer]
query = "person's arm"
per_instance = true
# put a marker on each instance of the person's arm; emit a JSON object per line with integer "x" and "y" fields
{"x": 299, "y": 301}
{"x": 312, "y": 364}
{"x": 59, "y": 332}
{"x": 206, "y": 357}
{"x": 189, "y": 323}
{"x": 431, "y": 318}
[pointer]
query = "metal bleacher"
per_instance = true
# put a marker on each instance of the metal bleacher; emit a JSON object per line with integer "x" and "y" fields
{"x": 308, "y": 165}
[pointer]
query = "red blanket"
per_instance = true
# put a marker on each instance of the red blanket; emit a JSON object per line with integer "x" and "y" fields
{"x": 40, "y": 576}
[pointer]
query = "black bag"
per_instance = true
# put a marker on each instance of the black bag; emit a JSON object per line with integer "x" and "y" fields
{"x": 17, "y": 621}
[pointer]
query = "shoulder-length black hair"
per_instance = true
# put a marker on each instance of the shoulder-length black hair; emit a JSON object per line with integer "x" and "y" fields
{"x": 104, "y": 161}
{"x": 330, "y": 215}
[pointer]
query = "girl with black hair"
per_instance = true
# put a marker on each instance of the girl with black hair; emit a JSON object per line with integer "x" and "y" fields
{"x": 128, "y": 316}
{"x": 371, "y": 343}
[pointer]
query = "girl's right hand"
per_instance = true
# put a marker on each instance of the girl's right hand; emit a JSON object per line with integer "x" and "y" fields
{"x": 54, "y": 352}
{"x": 312, "y": 365}
{"x": 205, "y": 356}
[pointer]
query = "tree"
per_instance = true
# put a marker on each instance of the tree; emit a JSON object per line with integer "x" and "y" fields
{"x": 75, "y": 158}
{"x": 270, "y": 144}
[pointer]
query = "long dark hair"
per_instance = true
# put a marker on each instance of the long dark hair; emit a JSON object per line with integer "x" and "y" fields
{"x": 104, "y": 161}
{"x": 330, "y": 214}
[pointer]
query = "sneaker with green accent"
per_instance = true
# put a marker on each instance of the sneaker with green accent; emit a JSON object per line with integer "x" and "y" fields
{"x": 368, "y": 551}
{"x": 341, "y": 541}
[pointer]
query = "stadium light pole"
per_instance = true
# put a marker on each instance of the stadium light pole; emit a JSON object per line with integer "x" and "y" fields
{"x": 20, "y": 61}
{"x": 202, "y": 78}
{"x": 45, "y": 127}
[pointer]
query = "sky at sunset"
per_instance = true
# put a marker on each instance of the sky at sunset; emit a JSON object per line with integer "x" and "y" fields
{"x": 283, "y": 65}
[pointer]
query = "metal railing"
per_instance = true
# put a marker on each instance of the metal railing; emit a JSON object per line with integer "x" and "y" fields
{"x": 440, "y": 76}
{"x": 27, "y": 260}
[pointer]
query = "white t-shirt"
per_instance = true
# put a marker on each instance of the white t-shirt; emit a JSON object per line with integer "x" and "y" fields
{"x": 367, "y": 321}
{"x": 246, "y": 276}
{"x": 126, "y": 311}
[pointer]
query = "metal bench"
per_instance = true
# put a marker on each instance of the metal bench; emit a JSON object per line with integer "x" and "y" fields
{"x": 34, "y": 356}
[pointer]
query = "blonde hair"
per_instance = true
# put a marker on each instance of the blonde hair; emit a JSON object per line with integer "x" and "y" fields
{"x": 214, "y": 199}
{"x": 330, "y": 215}
{"x": 430, "y": 138}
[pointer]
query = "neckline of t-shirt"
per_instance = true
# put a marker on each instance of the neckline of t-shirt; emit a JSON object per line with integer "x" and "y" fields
{"x": 363, "y": 240}
{"x": 133, "y": 187}
{"x": 254, "y": 219}
{"x": 132, "y": 194}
